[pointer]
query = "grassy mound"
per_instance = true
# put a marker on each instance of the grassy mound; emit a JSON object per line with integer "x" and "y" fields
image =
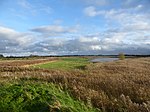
{"x": 27, "y": 96}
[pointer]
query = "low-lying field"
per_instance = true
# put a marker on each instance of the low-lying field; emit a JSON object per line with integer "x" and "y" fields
{"x": 119, "y": 86}
{"x": 65, "y": 64}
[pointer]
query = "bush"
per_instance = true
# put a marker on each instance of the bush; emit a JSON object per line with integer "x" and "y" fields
{"x": 121, "y": 56}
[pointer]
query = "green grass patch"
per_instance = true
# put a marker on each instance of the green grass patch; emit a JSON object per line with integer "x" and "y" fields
{"x": 27, "y": 96}
{"x": 66, "y": 64}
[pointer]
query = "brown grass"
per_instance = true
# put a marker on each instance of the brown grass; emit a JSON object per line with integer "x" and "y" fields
{"x": 12, "y": 63}
{"x": 120, "y": 86}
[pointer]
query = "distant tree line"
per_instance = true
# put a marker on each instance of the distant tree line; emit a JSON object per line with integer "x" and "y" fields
{"x": 114, "y": 56}
{"x": 1, "y": 56}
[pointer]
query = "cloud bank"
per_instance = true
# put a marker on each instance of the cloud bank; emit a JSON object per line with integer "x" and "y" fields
{"x": 127, "y": 29}
{"x": 13, "y": 42}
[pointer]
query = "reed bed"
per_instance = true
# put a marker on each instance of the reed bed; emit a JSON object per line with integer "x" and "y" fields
{"x": 119, "y": 86}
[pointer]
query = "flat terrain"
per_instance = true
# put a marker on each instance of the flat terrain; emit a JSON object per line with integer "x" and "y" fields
{"x": 73, "y": 84}
{"x": 65, "y": 64}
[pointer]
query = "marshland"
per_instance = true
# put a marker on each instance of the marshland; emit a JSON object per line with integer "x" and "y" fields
{"x": 74, "y": 84}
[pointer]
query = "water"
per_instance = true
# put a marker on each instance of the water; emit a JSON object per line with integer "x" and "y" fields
{"x": 103, "y": 59}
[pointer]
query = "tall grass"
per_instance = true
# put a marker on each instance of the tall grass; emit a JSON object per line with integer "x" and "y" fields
{"x": 38, "y": 96}
{"x": 120, "y": 86}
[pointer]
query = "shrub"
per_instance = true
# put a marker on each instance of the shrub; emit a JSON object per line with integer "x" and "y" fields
{"x": 121, "y": 56}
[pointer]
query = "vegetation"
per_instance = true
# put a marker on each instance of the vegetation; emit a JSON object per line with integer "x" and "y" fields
{"x": 33, "y": 96}
{"x": 121, "y": 56}
{"x": 24, "y": 62}
{"x": 1, "y": 56}
{"x": 65, "y": 64}
{"x": 119, "y": 86}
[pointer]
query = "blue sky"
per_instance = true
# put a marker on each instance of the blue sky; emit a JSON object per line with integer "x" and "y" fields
{"x": 58, "y": 27}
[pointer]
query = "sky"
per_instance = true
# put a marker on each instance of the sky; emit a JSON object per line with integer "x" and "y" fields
{"x": 74, "y": 27}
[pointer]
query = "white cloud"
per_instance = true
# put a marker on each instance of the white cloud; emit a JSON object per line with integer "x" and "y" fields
{"x": 89, "y": 39}
{"x": 91, "y": 11}
{"x": 139, "y": 7}
{"x": 96, "y": 47}
{"x": 13, "y": 41}
{"x": 137, "y": 26}
{"x": 12, "y": 35}
{"x": 52, "y": 30}
{"x": 130, "y": 26}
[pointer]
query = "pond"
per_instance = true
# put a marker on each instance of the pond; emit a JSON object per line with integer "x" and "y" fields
{"x": 103, "y": 59}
